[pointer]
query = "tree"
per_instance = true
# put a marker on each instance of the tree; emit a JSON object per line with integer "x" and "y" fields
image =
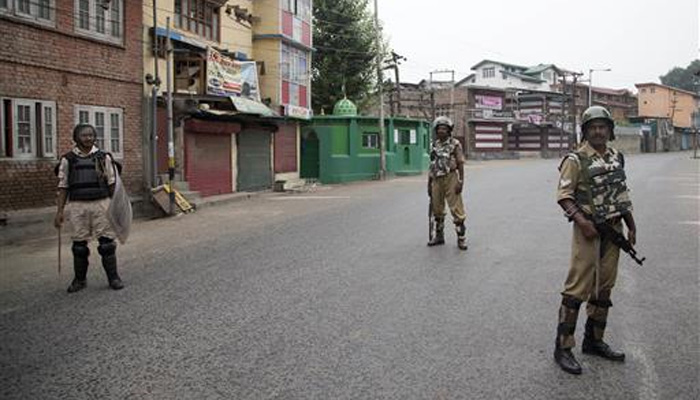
{"x": 683, "y": 78}
{"x": 344, "y": 62}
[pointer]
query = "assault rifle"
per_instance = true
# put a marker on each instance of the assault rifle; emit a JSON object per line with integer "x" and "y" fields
{"x": 618, "y": 239}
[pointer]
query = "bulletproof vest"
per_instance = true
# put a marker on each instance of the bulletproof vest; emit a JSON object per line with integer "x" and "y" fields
{"x": 606, "y": 189}
{"x": 441, "y": 157}
{"x": 85, "y": 181}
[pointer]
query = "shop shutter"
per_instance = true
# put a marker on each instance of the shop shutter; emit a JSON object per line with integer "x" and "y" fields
{"x": 209, "y": 163}
{"x": 286, "y": 149}
{"x": 254, "y": 172}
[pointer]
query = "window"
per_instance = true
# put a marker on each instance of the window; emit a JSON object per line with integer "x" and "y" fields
{"x": 198, "y": 16}
{"x": 405, "y": 137}
{"x": 294, "y": 68}
{"x": 108, "y": 124}
{"x": 28, "y": 128}
{"x": 300, "y": 8}
{"x": 48, "y": 133}
{"x": 652, "y": 90}
{"x": 489, "y": 72}
{"x": 40, "y": 11}
{"x": 295, "y": 65}
{"x": 94, "y": 20}
{"x": 370, "y": 140}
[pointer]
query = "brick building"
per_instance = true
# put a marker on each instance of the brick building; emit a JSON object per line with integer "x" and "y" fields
{"x": 64, "y": 62}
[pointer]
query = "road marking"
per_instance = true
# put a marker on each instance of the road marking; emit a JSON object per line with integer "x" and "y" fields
{"x": 310, "y": 198}
{"x": 673, "y": 178}
{"x": 689, "y": 196}
{"x": 689, "y": 222}
{"x": 650, "y": 380}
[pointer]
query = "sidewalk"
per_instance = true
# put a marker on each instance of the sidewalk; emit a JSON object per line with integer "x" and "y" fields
{"x": 37, "y": 223}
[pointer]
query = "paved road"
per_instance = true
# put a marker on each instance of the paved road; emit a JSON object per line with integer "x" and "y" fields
{"x": 332, "y": 294}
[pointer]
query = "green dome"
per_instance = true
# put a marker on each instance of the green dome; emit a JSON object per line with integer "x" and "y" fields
{"x": 345, "y": 107}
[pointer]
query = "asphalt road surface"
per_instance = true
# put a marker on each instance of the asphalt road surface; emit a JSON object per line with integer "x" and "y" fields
{"x": 332, "y": 294}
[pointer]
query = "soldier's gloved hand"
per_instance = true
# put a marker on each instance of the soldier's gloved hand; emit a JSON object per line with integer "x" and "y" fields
{"x": 632, "y": 237}
{"x": 459, "y": 188}
{"x": 587, "y": 228}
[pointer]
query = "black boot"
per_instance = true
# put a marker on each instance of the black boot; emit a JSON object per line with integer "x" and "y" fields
{"x": 568, "y": 315}
{"x": 566, "y": 360}
{"x": 439, "y": 237}
{"x": 593, "y": 342}
{"x": 597, "y": 310}
{"x": 107, "y": 250}
{"x": 461, "y": 235}
{"x": 81, "y": 253}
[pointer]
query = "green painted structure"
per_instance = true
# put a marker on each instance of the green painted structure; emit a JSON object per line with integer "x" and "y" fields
{"x": 344, "y": 147}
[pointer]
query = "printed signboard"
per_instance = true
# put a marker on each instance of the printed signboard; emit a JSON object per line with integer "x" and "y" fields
{"x": 489, "y": 102}
{"x": 229, "y": 77}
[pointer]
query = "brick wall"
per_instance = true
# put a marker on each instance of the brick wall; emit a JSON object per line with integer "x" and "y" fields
{"x": 57, "y": 64}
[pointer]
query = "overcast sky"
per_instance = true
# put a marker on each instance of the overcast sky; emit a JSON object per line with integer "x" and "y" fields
{"x": 638, "y": 39}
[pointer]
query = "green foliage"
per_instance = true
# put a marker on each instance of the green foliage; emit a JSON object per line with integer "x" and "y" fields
{"x": 683, "y": 78}
{"x": 345, "y": 41}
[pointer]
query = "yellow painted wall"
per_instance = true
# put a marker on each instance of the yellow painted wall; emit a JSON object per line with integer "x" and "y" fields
{"x": 269, "y": 13}
{"x": 660, "y": 104}
{"x": 268, "y": 50}
{"x": 234, "y": 36}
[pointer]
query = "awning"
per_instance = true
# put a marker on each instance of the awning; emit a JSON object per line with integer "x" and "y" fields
{"x": 180, "y": 38}
{"x": 247, "y": 106}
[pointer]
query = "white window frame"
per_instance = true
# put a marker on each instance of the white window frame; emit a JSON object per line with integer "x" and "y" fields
{"x": 108, "y": 138}
{"x": 32, "y": 129}
{"x": 372, "y": 139}
{"x": 3, "y": 119}
{"x": 489, "y": 72}
{"x": 48, "y": 152}
{"x": 36, "y": 140}
{"x": 12, "y": 9}
{"x": 93, "y": 8}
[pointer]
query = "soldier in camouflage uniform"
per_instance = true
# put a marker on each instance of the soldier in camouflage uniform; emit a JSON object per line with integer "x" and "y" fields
{"x": 592, "y": 190}
{"x": 445, "y": 182}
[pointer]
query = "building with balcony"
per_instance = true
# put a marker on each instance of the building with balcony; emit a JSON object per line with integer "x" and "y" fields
{"x": 238, "y": 99}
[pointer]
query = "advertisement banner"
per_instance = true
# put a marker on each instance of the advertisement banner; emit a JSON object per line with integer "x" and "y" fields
{"x": 297, "y": 112}
{"x": 229, "y": 77}
{"x": 489, "y": 102}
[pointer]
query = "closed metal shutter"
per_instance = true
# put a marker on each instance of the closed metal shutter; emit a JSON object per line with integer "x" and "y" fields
{"x": 254, "y": 172}
{"x": 286, "y": 149}
{"x": 209, "y": 163}
{"x": 488, "y": 137}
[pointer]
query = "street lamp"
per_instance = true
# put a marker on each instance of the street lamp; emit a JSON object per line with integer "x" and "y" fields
{"x": 590, "y": 83}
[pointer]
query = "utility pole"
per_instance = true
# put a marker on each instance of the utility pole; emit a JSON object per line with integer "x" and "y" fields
{"x": 154, "y": 102}
{"x": 395, "y": 61}
{"x": 171, "y": 145}
{"x": 380, "y": 83}
{"x": 432, "y": 98}
{"x": 574, "y": 135}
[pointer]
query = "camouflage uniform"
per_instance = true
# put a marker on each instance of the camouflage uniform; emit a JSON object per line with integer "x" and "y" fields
{"x": 445, "y": 157}
{"x": 598, "y": 186}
